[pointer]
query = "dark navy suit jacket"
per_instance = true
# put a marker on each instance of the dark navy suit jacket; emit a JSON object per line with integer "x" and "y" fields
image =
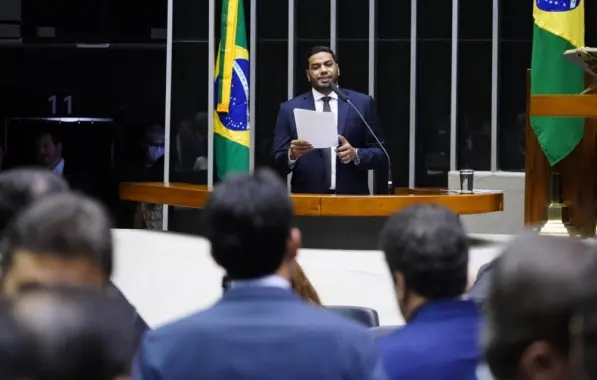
{"x": 259, "y": 333}
{"x": 308, "y": 173}
{"x": 440, "y": 342}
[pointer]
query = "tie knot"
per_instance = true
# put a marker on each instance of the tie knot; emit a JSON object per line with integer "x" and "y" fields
{"x": 326, "y": 99}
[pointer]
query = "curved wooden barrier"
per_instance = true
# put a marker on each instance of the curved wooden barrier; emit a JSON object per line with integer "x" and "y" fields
{"x": 187, "y": 195}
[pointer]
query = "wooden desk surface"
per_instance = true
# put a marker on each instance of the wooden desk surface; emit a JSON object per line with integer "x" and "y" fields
{"x": 187, "y": 195}
{"x": 563, "y": 105}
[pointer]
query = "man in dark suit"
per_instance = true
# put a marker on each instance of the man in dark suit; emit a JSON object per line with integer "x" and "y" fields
{"x": 427, "y": 253}
{"x": 50, "y": 147}
{"x": 338, "y": 170}
{"x": 259, "y": 329}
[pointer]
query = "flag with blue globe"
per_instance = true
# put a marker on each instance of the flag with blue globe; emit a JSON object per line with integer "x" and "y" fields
{"x": 559, "y": 25}
{"x": 557, "y": 5}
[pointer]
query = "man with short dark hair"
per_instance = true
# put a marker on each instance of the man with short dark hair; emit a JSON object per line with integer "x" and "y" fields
{"x": 539, "y": 286}
{"x": 62, "y": 238}
{"x": 426, "y": 250}
{"x": 340, "y": 169}
{"x": 259, "y": 329}
{"x": 49, "y": 152}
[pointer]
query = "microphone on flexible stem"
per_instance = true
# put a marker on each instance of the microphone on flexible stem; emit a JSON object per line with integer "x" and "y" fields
{"x": 342, "y": 95}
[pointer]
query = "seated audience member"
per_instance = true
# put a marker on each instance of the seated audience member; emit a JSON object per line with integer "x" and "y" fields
{"x": 20, "y": 187}
{"x": 62, "y": 238}
{"x": 302, "y": 287}
{"x": 259, "y": 329}
{"x": 426, "y": 250}
{"x": 64, "y": 333}
{"x": 538, "y": 286}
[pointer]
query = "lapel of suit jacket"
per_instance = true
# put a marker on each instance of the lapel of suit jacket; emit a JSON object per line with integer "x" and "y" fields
{"x": 342, "y": 113}
{"x": 308, "y": 103}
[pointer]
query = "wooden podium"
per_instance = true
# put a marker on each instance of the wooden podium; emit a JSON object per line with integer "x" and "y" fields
{"x": 578, "y": 171}
{"x": 318, "y": 205}
{"x": 346, "y": 222}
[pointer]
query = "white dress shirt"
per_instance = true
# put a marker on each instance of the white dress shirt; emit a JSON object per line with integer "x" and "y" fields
{"x": 318, "y": 98}
{"x": 272, "y": 281}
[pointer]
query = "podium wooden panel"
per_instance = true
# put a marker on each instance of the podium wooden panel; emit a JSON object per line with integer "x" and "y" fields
{"x": 186, "y": 195}
{"x": 578, "y": 170}
{"x": 564, "y": 105}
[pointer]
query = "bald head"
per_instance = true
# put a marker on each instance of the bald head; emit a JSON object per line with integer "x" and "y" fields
{"x": 534, "y": 267}
{"x": 535, "y": 290}
{"x": 20, "y": 187}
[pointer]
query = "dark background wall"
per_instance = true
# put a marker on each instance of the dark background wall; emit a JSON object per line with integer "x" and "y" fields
{"x": 126, "y": 80}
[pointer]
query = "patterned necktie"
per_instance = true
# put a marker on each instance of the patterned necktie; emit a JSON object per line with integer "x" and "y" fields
{"x": 326, "y": 152}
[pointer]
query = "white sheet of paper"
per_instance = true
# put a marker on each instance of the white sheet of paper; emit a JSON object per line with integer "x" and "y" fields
{"x": 317, "y": 128}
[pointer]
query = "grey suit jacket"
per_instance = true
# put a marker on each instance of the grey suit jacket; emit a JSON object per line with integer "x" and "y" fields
{"x": 478, "y": 292}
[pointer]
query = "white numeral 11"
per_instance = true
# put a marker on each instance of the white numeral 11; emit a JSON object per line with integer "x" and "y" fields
{"x": 68, "y": 100}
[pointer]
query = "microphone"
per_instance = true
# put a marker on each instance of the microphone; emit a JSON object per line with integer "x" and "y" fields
{"x": 342, "y": 95}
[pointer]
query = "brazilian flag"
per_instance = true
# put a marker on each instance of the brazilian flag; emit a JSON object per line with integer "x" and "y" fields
{"x": 231, "y": 116}
{"x": 559, "y": 25}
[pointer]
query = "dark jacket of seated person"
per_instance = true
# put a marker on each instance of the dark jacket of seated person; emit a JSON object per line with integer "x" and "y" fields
{"x": 66, "y": 333}
{"x": 259, "y": 330}
{"x": 478, "y": 292}
{"x": 427, "y": 253}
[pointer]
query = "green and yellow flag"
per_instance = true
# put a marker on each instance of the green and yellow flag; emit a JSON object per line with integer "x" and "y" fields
{"x": 231, "y": 116}
{"x": 559, "y": 26}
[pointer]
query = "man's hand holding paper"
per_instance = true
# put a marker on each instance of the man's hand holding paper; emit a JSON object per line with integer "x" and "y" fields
{"x": 298, "y": 148}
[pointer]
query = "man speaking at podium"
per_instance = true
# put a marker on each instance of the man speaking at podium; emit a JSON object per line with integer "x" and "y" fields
{"x": 338, "y": 170}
